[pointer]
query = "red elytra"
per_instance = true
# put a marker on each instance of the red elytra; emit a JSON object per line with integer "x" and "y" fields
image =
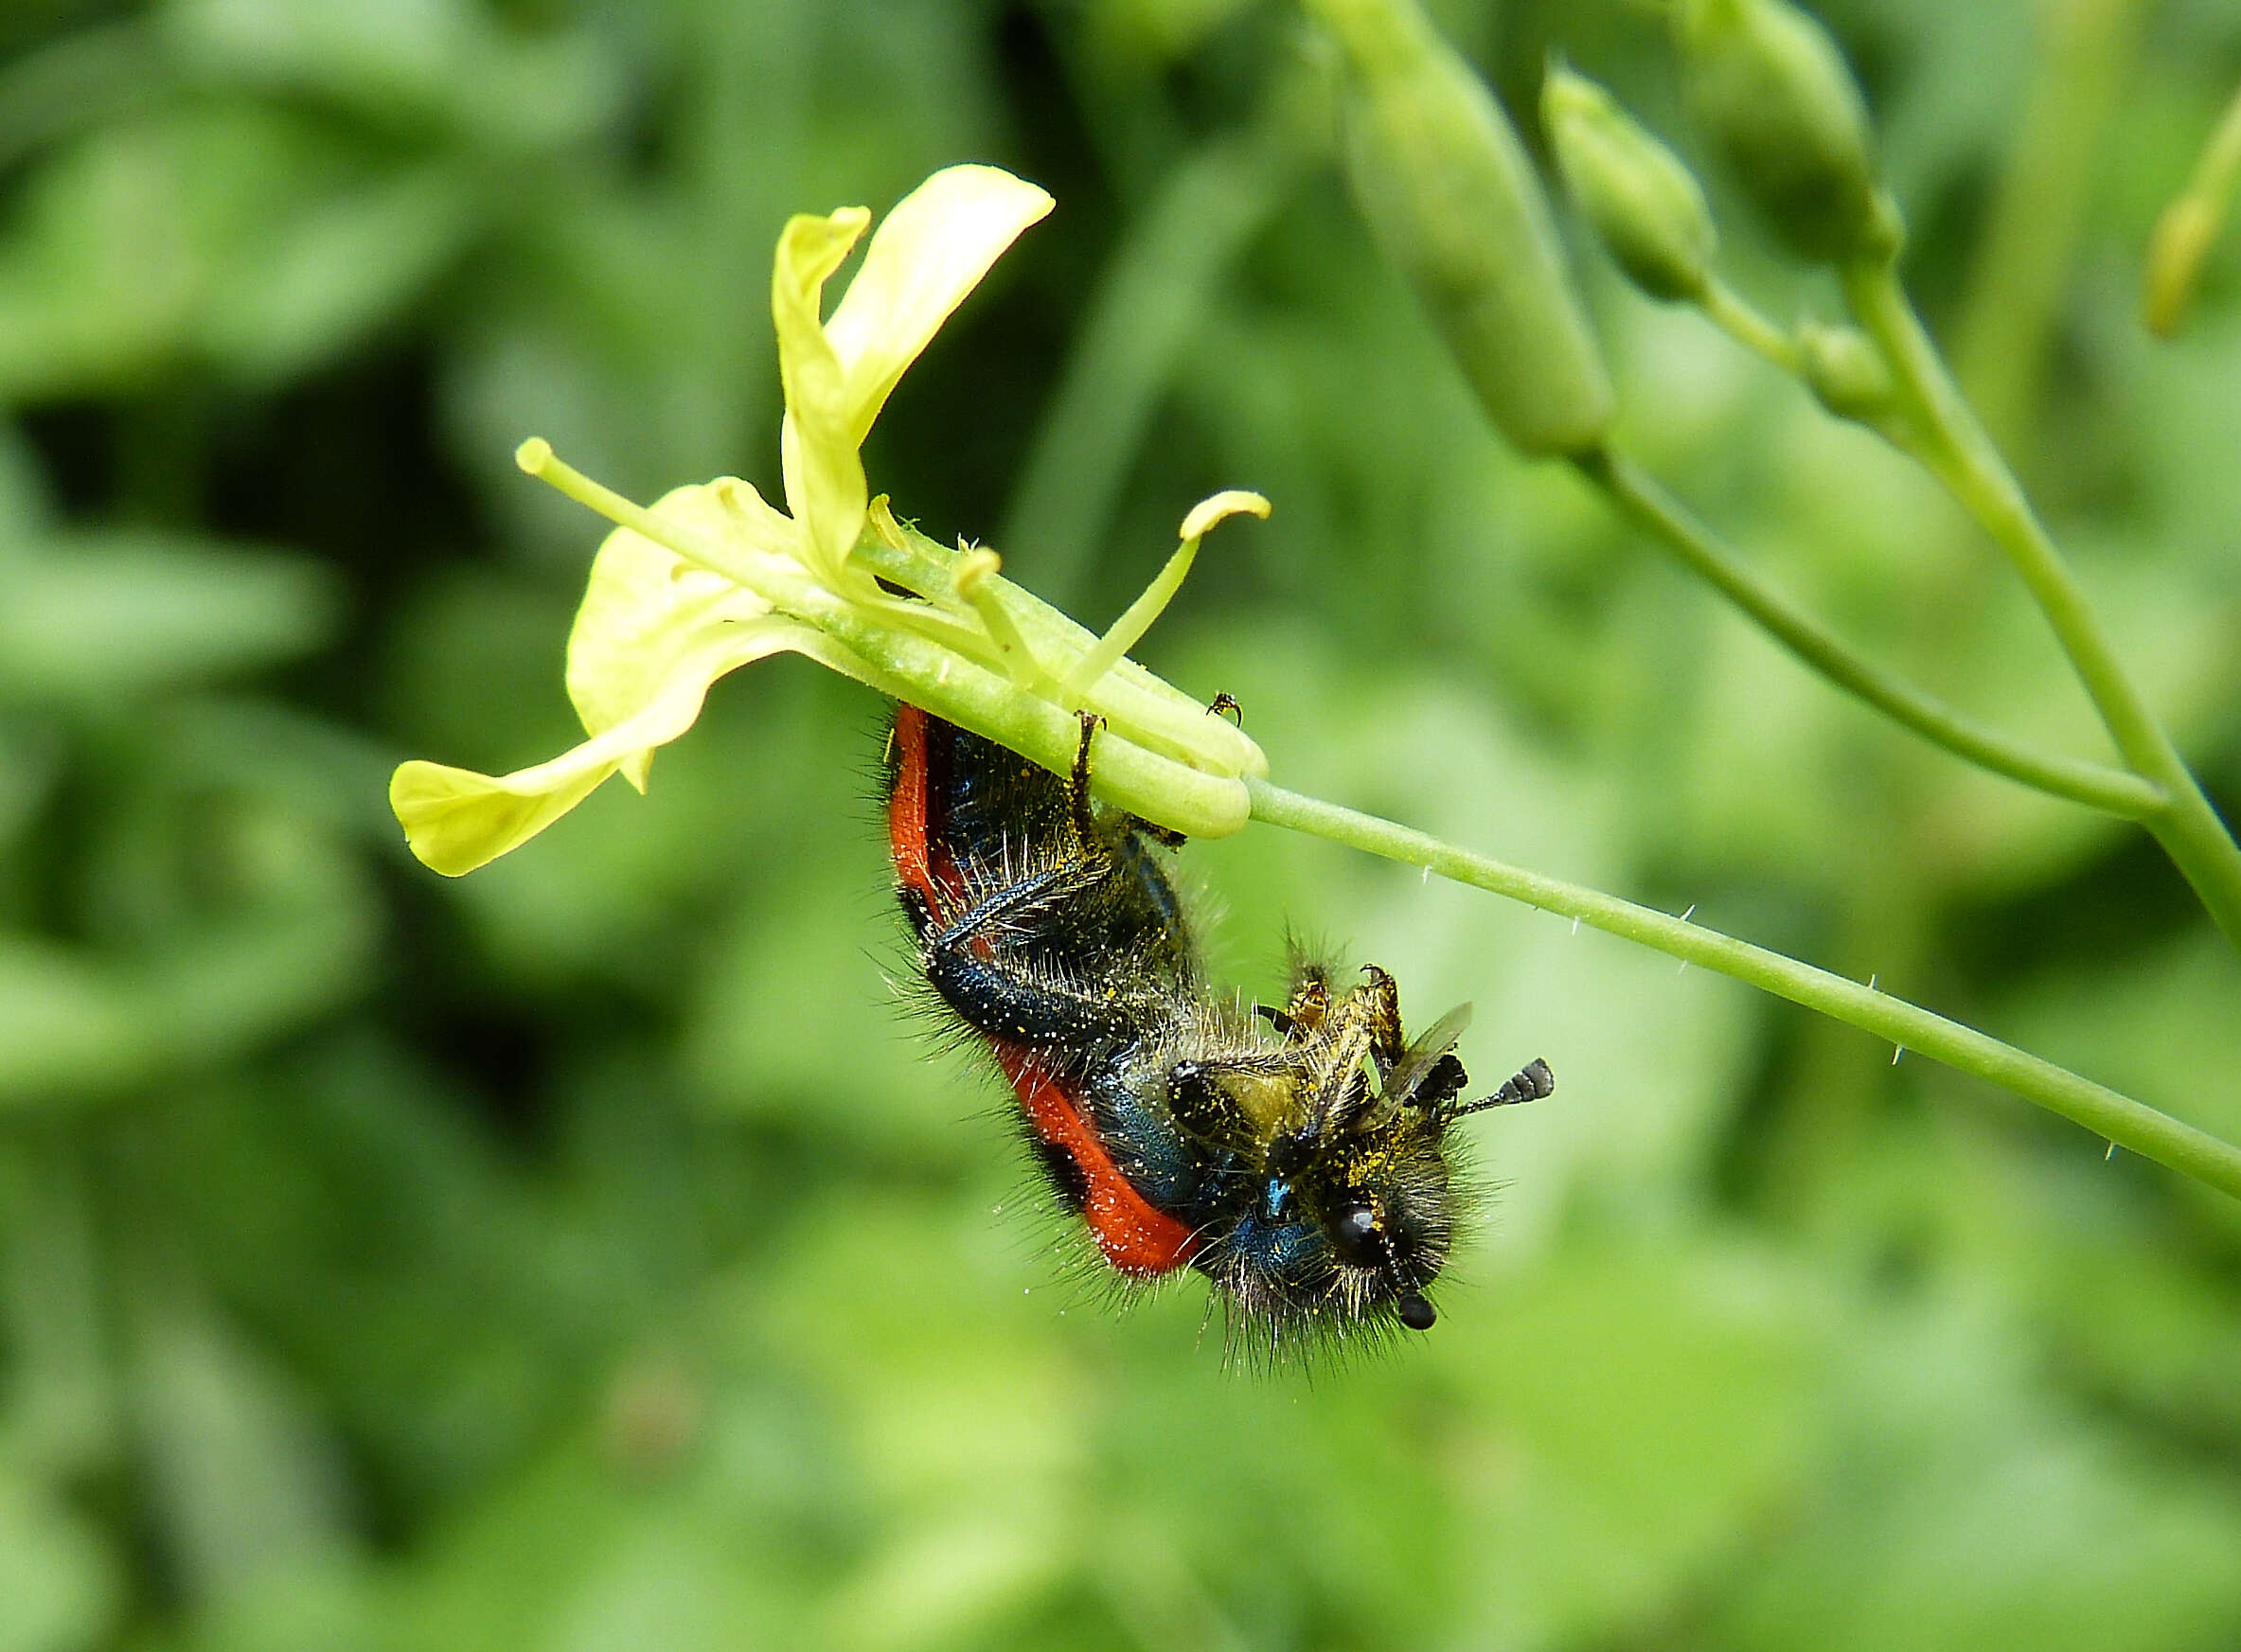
{"x": 1137, "y": 1238}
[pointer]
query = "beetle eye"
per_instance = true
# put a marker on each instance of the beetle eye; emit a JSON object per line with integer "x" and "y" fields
{"x": 1358, "y": 1234}
{"x": 1354, "y": 1234}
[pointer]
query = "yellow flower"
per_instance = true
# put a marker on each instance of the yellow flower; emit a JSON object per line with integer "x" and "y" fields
{"x": 712, "y": 577}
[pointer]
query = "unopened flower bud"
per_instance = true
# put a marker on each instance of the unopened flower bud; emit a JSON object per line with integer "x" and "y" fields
{"x": 1841, "y": 366}
{"x": 2175, "y": 255}
{"x": 1448, "y": 190}
{"x": 1769, "y": 84}
{"x": 1645, "y": 205}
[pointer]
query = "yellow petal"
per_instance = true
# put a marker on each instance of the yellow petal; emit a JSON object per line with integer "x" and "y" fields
{"x": 824, "y": 486}
{"x": 810, "y": 250}
{"x": 928, "y": 254}
{"x": 932, "y": 250}
{"x": 827, "y": 491}
{"x": 646, "y": 608}
{"x": 456, "y": 820}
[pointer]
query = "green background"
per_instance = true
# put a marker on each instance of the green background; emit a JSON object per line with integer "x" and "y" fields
{"x": 591, "y": 1254}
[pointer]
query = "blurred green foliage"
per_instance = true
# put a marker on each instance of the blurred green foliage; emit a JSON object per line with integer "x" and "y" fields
{"x": 588, "y": 1254}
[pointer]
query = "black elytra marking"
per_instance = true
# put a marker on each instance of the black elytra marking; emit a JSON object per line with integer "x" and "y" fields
{"x": 1060, "y": 1169}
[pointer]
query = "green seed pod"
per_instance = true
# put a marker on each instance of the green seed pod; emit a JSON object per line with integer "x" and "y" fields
{"x": 1841, "y": 366}
{"x": 1450, "y": 193}
{"x": 1769, "y": 84}
{"x": 1645, "y": 205}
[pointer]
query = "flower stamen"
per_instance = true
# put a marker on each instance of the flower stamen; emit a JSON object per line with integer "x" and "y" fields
{"x": 1127, "y": 631}
{"x": 974, "y": 581}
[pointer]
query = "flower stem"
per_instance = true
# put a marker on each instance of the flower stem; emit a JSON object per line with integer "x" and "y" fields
{"x": 1957, "y": 450}
{"x": 1735, "y": 316}
{"x": 1643, "y": 499}
{"x": 2114, "y": 1117}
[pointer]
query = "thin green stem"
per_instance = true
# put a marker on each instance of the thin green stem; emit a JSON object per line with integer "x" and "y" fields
{"x": 1741, "y": 320}
{"x": 2094, "y": 784}
{"x": 2112, "y": 1116}
{"x": 1957, "y": 450}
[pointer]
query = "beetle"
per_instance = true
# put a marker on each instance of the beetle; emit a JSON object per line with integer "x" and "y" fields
{"x": 1297, "y": 1157}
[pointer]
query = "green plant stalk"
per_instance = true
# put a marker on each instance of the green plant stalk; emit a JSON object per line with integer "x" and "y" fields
{"x": 1741, "y": 320}
{"x": 2098, "y": 785}
{"x": 2115, "y": 1117}
{"x": 1957, "y": 450}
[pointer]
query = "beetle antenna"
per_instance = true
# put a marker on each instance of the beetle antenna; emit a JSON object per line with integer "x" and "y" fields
{"x": 1530, "y": 1083}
